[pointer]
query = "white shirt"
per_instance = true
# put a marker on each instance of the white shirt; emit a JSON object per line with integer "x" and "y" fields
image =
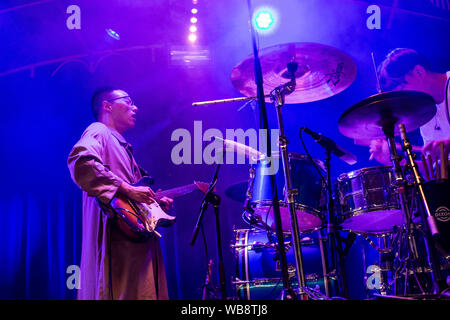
{"x": 438, "y": 127}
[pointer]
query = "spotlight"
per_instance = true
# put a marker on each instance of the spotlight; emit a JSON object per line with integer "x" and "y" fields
{"x": 192, "y": 37}
{"x": 193, "y": 29}
{"x": 194, "y": 11}
{"x": 264, "y": 20}
{"x": 194, "y": 20}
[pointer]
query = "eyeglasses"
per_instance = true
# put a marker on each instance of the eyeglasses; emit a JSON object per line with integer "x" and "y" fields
{"x": 128, "y": 100}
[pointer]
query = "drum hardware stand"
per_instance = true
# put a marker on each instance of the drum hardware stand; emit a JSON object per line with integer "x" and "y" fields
{"x": 384, "y": 260}
{"x": 288, "y": 292}
{"x": 401, "y": 186}
{"x": 212, "y": 198}
{"x": 208, "y": 287}
{"x": 324, "y": 259}
{"x": 277, "y": 96}
{"x": 431, "y": 231}
{"x": 332, "y": 234}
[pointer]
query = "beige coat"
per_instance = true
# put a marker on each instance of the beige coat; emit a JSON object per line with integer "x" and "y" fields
{"x": 98, "y": 163}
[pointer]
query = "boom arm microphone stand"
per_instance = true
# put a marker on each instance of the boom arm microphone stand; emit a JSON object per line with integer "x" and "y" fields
{"x": 288, "y": 292}
{"x": 432, "y": 230}
{"x": 334, "y": 238}
{"x": 214, "y": 199}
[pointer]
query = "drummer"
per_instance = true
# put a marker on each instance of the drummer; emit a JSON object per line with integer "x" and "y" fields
{"x": 406, "y": 69}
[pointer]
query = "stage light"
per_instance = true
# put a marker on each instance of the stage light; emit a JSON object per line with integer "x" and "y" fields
{"x": 192, "y": 37}
{"x": 113, "y": 34}
{"x": 193, "y": 28}
{"x": 264, "y": 20}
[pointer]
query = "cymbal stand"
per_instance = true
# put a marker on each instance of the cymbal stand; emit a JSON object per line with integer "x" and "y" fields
{"x": 277, "y": 96}
{"x": 432, "y": 232}
{"x": 400, "y": 185}
{"x": 288, "y": 293}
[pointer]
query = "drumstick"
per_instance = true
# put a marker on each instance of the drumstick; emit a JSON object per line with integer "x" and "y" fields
{"x": 438, "y": 171}
{"x": 425, "y": 167}
{"x": 443, "y": 165}
{"x": 446, "y": 163}
{"x": 430, "y": 164}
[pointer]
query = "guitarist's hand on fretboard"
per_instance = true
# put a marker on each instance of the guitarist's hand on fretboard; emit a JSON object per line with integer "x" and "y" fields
{"x": 142, "y": 194}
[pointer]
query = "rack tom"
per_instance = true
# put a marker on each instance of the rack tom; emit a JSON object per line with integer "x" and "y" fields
{"x": 309, "y": 200}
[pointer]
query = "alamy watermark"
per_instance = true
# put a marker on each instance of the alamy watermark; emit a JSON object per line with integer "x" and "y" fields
{"x": 73, "y": 280}
{"x": 249, "y": 147}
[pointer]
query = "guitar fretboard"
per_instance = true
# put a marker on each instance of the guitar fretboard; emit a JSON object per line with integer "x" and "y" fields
{"x": 177, "y": 192}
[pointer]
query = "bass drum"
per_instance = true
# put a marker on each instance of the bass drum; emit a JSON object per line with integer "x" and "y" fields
{"x": 258, "y": 268}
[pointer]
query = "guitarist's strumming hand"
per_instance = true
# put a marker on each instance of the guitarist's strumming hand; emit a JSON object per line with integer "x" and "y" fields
{"x": 140, "y": 194}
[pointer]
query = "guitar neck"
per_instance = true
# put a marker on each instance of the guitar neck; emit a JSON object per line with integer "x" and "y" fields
{"x": 177, "y": 192}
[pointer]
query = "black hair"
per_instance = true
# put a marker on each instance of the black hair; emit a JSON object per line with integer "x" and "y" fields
{"x": 98, "y": 97}
{"x": 398, "y": 63}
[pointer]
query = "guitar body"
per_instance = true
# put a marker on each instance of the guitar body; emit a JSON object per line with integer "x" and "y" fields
{"x": 139, "y": 221}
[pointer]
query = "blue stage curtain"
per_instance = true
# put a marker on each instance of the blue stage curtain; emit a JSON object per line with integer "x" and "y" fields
{"x": 41, "y": 234}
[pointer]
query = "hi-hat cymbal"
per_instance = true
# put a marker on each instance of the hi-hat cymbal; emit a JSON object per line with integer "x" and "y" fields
{"x": 323, "y": 71}
{"x": 367, "y": 118}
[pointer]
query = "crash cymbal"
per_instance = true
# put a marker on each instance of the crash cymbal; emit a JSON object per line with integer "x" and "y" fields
{"x": 366, "y": 118}
{"x": 323, "y": 71}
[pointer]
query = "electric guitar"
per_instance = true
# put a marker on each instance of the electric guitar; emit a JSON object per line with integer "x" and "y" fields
{"x": 139, "y": 221}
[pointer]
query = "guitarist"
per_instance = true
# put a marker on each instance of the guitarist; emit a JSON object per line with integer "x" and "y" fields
{"x": 101, "y": 164}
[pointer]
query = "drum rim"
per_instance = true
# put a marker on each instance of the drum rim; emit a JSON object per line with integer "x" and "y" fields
{"x": 355, "y": 213}
{"x": 298, "y": 156}
{"x": 283, "y": 204}
{"x": 355, "y": 173}
{"x": 316, "y": 214}
{"x": 360, "y": 213}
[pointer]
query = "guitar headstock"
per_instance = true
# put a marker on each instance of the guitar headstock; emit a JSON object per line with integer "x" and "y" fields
{"x": 203, "y": 186}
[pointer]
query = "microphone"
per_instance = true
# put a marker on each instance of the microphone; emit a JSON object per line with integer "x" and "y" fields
{"x": 329, "y": 144}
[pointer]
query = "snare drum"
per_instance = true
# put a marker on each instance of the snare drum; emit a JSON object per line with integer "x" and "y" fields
{"x": 368, "y": 201}
{"x": 309, "y": 201}
{"x": 258, "y": 267}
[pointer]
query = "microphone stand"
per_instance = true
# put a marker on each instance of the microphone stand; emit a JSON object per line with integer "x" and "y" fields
{"x": 288, "y": 292}
{"x": 431, "y": 230}
{"x": 332, "y": 234}
{"x": 214, "y": 199}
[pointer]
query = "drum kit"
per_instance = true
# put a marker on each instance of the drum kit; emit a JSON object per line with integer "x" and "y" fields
{"x": 402, "y": 216}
